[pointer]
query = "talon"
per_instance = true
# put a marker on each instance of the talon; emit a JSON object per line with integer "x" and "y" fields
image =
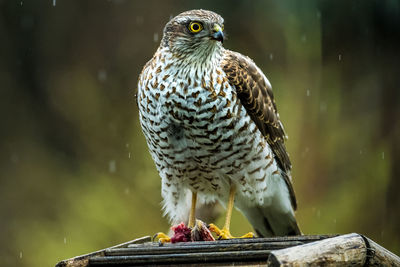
{"x": 213, "y": 228}
{"x": 225, "y": 234}
{"x": 248, "y": 235}
{"x": 162, "y": 238}
{"x": 221, "y": 234}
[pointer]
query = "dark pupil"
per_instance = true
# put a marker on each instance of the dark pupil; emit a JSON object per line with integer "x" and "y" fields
{"x": 195, "y": 26}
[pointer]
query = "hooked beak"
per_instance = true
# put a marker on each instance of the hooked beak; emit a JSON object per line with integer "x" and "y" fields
{"x": 218, "y": 33}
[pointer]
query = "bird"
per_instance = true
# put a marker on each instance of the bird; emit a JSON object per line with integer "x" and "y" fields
{"x": 212, "y": 127}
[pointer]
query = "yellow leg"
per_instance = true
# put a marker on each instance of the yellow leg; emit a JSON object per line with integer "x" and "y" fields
{"x": 192, "y": 216}
{"x": 225, "y": 233}
{"x": 229, "y": 208}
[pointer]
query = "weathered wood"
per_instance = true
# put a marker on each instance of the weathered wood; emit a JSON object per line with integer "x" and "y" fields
{"x": 235, "y": 251}
{"x": 305, "y": 238}
{"x": 216, "y": 247}
{"x": 342, "y": 250}
{"x": 83, "y": 260}
{"x": 178, "y": 258}
{"x": 379, "y": 256}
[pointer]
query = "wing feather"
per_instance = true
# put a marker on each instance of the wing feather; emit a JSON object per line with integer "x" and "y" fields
{"x": 255, "y": 93}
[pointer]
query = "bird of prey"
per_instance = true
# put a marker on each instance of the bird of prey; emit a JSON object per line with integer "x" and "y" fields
{"x": 213, "y": 130}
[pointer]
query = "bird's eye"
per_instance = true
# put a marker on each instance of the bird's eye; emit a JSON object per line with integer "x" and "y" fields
{"x": 195, "y": 27}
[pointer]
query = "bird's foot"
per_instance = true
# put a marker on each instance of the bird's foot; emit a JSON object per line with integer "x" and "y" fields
{"x": 221, "y": 233}
{"x": 225, "y": 234}
{"x": 162, "y": 238}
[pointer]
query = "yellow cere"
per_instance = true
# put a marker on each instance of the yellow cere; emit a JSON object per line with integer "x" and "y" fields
{"x": 218, "y": 28}
{"x": 195, "y": 27}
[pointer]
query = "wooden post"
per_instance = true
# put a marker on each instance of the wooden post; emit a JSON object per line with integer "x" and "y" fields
{"x": 379, "y": 256}
{"x": 342, "y": 250}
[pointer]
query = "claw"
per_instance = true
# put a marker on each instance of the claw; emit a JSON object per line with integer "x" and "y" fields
{"x": 221, "y": 233}
{"x": 225, "y": 233}
{"x": 248, "y": 235}
{"x": 162, "y": 238}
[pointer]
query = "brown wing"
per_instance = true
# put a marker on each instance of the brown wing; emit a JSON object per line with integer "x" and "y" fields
{"x": 255, "y": 94}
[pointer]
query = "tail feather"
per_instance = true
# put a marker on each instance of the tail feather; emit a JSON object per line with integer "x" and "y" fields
{"x": 269, "y": 222}
{"x": 274, "y": 216}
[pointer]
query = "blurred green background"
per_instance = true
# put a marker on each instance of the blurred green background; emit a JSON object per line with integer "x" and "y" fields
{"x": 76, "y": 175}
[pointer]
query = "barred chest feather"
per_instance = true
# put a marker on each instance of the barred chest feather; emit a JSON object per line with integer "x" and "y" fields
{"x": 198, "y": 133}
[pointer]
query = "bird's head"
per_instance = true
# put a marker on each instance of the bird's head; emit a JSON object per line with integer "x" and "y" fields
{"x": 194, "y": 32}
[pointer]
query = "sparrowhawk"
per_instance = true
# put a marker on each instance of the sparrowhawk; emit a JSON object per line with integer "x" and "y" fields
{"x": 213, "y": 130}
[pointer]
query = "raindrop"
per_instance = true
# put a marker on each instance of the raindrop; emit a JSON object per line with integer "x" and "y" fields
{"x": 129, "y": 155}
{"x": 361, "y": 151}
{"x": 155, "y": 37}
{"x": 65, "y": 240}
{"x": 308, "y": 92}
{"x": 318, "y": 214}
{"x": 383, "y": 155}
{"x": 102, "y": 75}
{"x": 20, "y": 254}
{"x": 127, "y": 145}
{"x": 127, "y": 191}
{"x": 54, "y": 2}
{"x": 22, "y": 3}
{"x": 271, "y": 56}
{"x": 340, "y": 57}
{"x": 304, "y": 38}
{"x": 112, "y": 167}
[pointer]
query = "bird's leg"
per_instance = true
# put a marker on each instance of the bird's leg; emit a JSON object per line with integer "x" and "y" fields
{"x": 192, "y": 216}
{"x": 225, "y": 233}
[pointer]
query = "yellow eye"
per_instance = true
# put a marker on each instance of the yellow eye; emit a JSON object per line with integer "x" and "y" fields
{"x": 195, "y": 27}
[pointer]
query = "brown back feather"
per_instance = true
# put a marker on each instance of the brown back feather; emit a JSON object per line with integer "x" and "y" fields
{"x": 256, "y": 96}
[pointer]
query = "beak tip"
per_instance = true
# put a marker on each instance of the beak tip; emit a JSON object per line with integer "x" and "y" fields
{"x": 218, "y": 36}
